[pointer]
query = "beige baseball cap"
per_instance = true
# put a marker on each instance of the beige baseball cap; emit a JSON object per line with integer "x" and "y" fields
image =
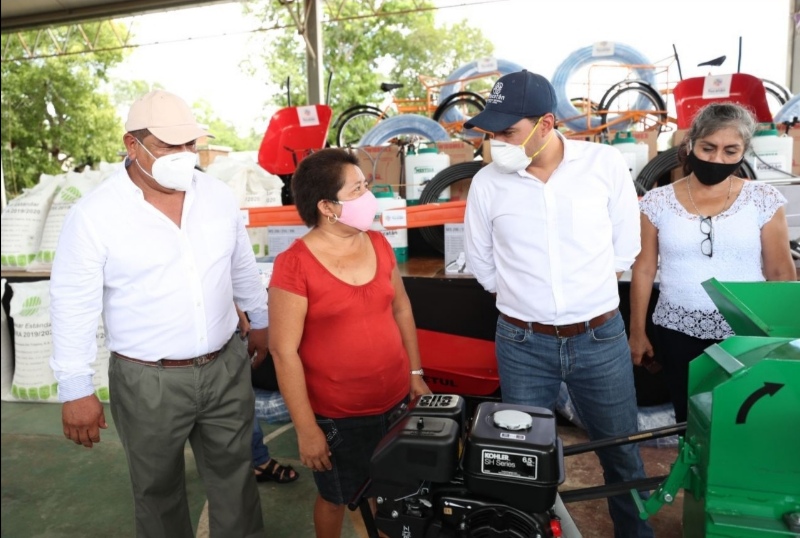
{"x": 166, "y": 116}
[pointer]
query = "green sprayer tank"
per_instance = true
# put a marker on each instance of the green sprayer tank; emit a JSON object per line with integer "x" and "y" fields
{"x": 739, "y": 460}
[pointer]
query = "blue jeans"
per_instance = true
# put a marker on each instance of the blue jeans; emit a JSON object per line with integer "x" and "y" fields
{"x": 270, "y": 408}
{"x": 596, "y": 367}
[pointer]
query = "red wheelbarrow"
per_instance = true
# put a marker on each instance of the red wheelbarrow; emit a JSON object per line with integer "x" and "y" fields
{"x": 292, "y": 134}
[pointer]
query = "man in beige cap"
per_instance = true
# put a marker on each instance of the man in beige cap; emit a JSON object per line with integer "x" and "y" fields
{"x": 161, "y": 251}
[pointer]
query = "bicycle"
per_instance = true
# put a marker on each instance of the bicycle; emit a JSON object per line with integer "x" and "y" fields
{"x": 631, "y": 104}
{"x": 634, "y": 104}
{"x": 451, "y": 113}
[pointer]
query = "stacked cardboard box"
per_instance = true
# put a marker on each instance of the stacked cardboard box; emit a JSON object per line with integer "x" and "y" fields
{"x": 383, "y": 164}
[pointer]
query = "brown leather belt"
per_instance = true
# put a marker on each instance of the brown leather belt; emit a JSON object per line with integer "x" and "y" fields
{"x": 175, "y": 363}
{"x": 561, "y": 331}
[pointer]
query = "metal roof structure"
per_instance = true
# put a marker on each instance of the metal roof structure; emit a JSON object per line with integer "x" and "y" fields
{"x": 17, "y": 15}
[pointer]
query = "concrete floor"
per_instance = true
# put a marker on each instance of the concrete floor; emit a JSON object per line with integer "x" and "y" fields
{"x": 52, "y": 488}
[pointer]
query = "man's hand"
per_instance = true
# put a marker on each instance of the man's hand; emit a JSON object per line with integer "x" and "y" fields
{"x": 257, "y": 346}
{"x": 82, "y": 420}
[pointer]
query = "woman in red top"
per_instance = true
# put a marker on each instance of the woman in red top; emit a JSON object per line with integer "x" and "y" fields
{"x": 342, "y": 333}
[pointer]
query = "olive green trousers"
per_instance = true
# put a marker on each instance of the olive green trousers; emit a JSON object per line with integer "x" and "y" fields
{"x": 156, "y": 410}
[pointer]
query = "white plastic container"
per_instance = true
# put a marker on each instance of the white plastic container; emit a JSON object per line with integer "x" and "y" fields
{"x": 397, "y": 237}
{"x": 420, "y": 169}
{"x": 636, "y": 154}
{"x": 770, "y": 155}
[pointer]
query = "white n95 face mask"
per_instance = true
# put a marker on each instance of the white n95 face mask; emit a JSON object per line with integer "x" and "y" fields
{"x": 173, "y": 171}
{"x": 510, "y": 158}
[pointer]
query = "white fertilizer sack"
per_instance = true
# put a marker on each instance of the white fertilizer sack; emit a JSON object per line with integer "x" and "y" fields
{"x": 253, "y": 187}
{"x": 33, "y": 345}
{"x": 71, "y": 190}
{"x": 23, "y": 221}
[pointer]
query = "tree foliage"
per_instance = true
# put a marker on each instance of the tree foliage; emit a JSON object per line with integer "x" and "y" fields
{"x": 396, "y": 44}
{"x": 224, "y": 131}
{"x": 53, "y": 116}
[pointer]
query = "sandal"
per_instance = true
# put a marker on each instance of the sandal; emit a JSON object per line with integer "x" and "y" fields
{"x": 275, "y": 472}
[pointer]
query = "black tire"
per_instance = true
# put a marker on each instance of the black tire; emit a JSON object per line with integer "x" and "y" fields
{"x": 780, "y": 91}
{"x": 586, "y": 106}
{"x": 455, "y": 111}
{"x": 657, "y": 172}
{"x": 628, "y": 83}
{"x": 617, "y": 103}
{"x": 340, "y": 118}
{"x": 434, "y": 235}
{"x": 354, "y": 122}
{"x": 777, "y": 96}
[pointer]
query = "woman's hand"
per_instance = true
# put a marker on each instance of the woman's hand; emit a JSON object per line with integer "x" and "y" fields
{"x": 640, "y": 347}
{"x": 313, "y": 448}
{"x": 418, "y": 387}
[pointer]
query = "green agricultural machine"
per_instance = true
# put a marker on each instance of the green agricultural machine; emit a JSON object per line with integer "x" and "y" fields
{"x": 739, "y": 460}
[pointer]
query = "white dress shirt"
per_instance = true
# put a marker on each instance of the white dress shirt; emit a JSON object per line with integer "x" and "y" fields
{"x": 164, "y": 292}
{"x": 551, "y": 250}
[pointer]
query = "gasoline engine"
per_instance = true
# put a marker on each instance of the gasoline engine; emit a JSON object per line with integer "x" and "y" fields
{"x": 433, "y": 475}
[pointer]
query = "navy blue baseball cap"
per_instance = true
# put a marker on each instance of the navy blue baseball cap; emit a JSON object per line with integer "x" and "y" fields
{"x": 515, "y": 96}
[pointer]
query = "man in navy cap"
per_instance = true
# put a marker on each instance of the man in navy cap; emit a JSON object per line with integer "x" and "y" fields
{"x": 551, "y": 224}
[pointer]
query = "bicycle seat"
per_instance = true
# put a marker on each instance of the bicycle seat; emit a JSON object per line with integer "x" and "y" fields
{"x": 716, "y": 62}
{"x": 389, "y": 86}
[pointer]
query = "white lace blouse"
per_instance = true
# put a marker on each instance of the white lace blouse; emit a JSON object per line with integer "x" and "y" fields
{"x": 683, "y": 305}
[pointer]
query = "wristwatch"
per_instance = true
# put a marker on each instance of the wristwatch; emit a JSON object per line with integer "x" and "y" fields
{"x": 417, "y": 372}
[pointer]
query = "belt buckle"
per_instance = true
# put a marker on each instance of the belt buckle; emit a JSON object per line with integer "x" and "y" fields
{"x": 202, "y": 359}
{"x": 555, "y": 328}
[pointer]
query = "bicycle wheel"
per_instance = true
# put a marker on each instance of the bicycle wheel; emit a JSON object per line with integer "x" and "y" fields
{"x": 354, "y": 123}
{"x": 780, "y": 91}
{"x": 453, "y": 113}
{"x": 447, "y": 113}
{"x": 790, "y": 111}
{"x": 634, "y": 108}
{"x": 341, "y": 117}
{"x": 587, "y": 107}
{"x": 434, "y": 235}
{"x": 627, "y": 83}
{"x": 777, "y": 95}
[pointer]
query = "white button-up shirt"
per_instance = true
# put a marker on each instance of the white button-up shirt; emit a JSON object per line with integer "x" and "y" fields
{"x": 550, "y": 250}
{"x": 165, "y": 292}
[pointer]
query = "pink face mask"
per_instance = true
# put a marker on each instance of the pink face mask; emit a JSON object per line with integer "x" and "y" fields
{"x": 359, "y": 213}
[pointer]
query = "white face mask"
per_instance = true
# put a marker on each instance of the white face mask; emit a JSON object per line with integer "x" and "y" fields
{"x": 173, "y": 171}
{"x": 510, "y": 158}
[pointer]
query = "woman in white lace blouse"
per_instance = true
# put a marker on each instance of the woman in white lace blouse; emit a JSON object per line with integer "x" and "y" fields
{"x": 709, "y": 224}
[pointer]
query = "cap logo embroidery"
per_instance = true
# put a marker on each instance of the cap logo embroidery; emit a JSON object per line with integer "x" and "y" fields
{"x": 495, "y": 96}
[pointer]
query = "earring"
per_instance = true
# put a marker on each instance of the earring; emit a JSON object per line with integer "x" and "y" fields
{"x": 332, "y": 219}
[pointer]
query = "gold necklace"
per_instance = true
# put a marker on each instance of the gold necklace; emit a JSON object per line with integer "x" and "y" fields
{"x": 725, "y": 205}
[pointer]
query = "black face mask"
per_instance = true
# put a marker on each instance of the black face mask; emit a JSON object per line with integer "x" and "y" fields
{"x": 709, "y": 173}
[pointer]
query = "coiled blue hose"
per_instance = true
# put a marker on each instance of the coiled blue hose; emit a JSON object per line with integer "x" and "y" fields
{"x": 471, "y": 69}
{"x": 404, "y": 124}
{"x": 623, "y": 54}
